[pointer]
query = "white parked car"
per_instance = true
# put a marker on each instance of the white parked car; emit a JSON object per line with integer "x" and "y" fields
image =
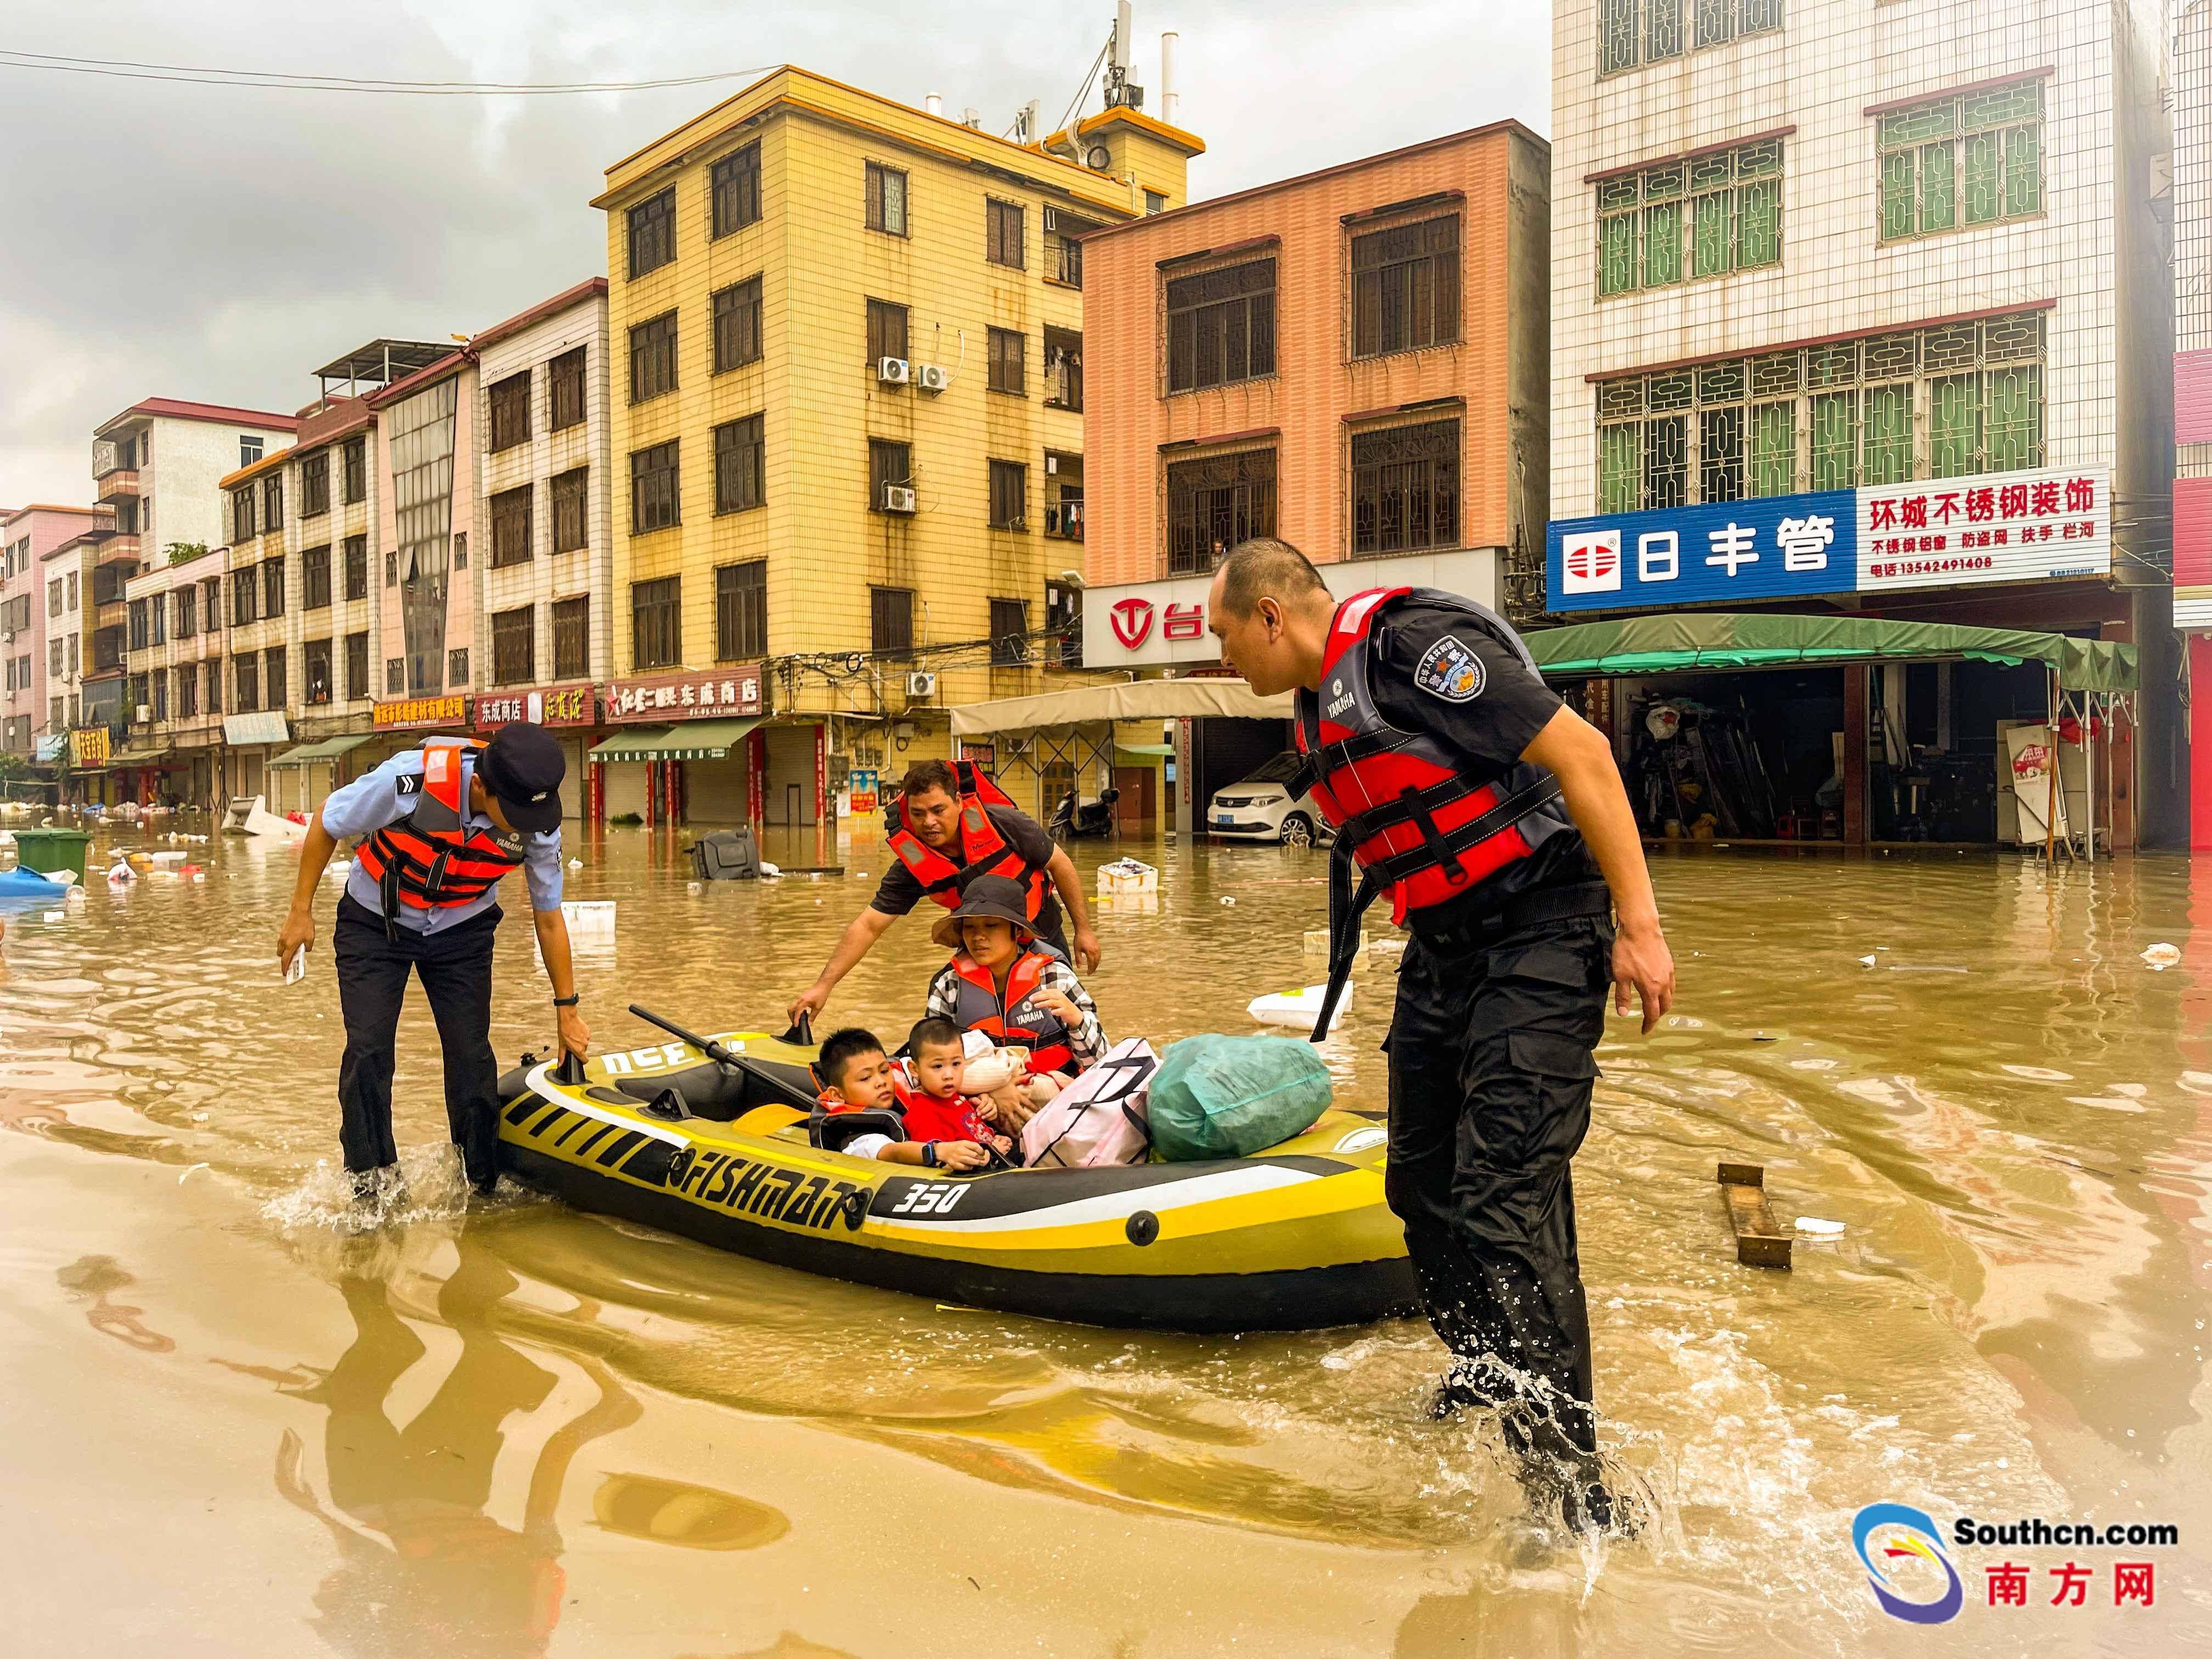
{"x": 1261, "y": 808}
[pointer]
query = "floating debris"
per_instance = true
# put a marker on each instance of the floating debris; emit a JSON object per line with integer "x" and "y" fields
{"x": 2159, "y": 957}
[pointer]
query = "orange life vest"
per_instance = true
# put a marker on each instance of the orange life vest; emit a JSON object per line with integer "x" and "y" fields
{"x": 1017, "y": 1020}
{"x": 983, "y": 850}
{"x": 430, "y": 859}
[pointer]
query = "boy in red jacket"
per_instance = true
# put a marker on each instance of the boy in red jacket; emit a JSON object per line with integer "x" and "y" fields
{"x": 945, "y": 1129}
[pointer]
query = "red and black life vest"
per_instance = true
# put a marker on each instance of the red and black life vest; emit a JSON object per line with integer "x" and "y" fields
{"x": 1017, "y": 1020}
{"x": 1426, "y": 824}
{"x": 430, "y": 859}
{"x": 983, "y": 850}
{"x": 922, "y": 1116}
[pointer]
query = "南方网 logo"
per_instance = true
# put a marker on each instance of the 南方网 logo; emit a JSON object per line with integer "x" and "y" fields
{"x": 1897, "y": 1531}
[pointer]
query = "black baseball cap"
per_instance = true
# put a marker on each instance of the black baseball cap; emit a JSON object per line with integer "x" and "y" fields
{"x": 522, "y": 766}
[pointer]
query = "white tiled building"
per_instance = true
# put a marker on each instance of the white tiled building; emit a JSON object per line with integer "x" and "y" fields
{"x": 1804, "y": 246}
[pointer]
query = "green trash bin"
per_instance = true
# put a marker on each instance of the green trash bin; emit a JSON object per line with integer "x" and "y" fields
{"x": 48, "y": 850}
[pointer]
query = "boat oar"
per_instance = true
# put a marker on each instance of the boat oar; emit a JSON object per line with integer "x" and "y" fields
{"x": 725, "y": 1056}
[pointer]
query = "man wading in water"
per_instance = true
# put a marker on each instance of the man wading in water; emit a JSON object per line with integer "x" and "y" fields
{"x": 1494, "y": 819}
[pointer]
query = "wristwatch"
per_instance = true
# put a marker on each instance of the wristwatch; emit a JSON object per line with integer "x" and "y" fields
{"x": 929, "y": 1154}
{"x": 566, "y": 1002}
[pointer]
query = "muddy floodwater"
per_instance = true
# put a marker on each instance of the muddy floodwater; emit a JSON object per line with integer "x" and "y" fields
{"x": 513, "y": 1429}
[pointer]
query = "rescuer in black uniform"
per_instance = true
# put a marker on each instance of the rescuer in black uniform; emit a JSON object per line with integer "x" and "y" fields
{"x": 1494, "y": 819}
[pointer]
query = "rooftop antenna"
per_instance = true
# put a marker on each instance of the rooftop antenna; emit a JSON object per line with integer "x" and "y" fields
{"x": 1120, "y": 94}
{"x": 1025, "y": 124}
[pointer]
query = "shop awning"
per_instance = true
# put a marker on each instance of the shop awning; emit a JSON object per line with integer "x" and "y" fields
{"x": 147, "y": 756}
{"x": 1196, "y": 698}
{"x": 329, "y": 749}
{"x": 246, "y": 730}
{"x": 691, "y": 740}
{"x": 1677, "y": 641}
{"x": 1149, "y": 750}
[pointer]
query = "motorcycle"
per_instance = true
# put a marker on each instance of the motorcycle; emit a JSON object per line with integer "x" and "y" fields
{"x": 1074, "y": 820}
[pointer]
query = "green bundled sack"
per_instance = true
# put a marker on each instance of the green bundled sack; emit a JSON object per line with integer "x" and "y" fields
{"x": 1230, "y": 1097}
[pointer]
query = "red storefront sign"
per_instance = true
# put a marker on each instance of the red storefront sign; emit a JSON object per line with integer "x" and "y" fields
{"x": 559, "y": 705}
{"x": 726, "y": 693}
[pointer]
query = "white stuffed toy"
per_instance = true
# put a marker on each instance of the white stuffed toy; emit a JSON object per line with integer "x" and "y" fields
{"x": 1000, "y": 1075}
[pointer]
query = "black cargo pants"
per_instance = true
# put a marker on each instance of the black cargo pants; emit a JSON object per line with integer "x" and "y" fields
{"x": 1491, "y": 1075}
{"x": 455, "y": 968}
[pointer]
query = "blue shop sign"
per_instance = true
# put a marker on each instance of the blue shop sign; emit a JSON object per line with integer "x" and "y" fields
{"x": 1774, "y": 547}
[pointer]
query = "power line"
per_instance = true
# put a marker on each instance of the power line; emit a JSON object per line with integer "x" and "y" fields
{"x": 269, "y": 80}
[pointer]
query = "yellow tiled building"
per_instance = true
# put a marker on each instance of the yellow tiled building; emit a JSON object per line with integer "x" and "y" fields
{"x": 765, "y": 259}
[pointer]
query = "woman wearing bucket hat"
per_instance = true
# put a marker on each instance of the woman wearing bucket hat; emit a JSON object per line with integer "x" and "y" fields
{"x": 1001, "y": 983}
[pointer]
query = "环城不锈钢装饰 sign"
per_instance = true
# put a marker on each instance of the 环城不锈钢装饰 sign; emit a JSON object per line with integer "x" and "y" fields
{"x": 1938, "y": 532}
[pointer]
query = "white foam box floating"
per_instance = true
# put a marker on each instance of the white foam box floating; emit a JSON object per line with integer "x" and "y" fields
{"x": 595, "y": 916}
{"x": 1127, "y": 876}
{"x": 169, "y": 860}
{"x": 1298, "y": 1008}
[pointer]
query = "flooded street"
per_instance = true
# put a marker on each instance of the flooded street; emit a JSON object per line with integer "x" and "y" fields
{"x": 517, "y": 1429}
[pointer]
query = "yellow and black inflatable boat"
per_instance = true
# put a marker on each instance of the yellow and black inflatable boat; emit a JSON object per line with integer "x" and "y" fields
{"x": 1295, "y": 1238}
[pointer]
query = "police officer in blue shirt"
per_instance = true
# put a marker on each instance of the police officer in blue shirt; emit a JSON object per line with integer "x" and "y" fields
{"x": 440, "y": 825}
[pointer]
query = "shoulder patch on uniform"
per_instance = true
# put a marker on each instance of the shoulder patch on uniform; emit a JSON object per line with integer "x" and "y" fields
{"x": 408, "y": 783}
{"x": 1450, "y": 671}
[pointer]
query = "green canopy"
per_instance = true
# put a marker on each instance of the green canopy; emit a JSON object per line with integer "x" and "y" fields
{"x": 329, "y": 749}
{"x": 691, "y": 740}
{"x": 1675, "y": 641}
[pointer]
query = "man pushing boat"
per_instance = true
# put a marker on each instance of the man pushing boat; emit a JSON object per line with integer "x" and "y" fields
{"x": 1494, "y": 819}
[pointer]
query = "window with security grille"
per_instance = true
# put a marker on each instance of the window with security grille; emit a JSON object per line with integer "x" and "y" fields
{"x": 355, "y": 459}
{"x": 1634, "y": 32}
{"x": 1010, "y": 493}
{"x": 652, "y": 233}
{"x": 511, "y": 527}
{"x": 356, "y": 666}
{"x": 357, "y": 567}
{"x": 736, "y": 324}
{"x": 654, "y": 497}
{"x": 890, "y": 464}
{"x": 273, "y": 503}
{"x": 1973, "y": 158}
{"x": 241, "y": 514}
{"x": 571, "y": 492}
{"x": 1221, "y": 326}
{"x": 510, "y": 411}
{"x": 514, "y": 646}
{"x": 886, "y": 199}
{"x": 1003, "y": 241}
{"x": 891, "y": 619}
{"x": 186, "y": 600}
{"x": 457, "y": 667}
{"x": 1216, "y": 502}
{"x": 572, "y": 638}
{"x": 315, "y": 579}
{"x": 652, "y": 358}
{"x": 734, "y": 184}
{"x": 272, "y": 586}
{"x": 1006, "y": 361}
{"x": 245, "y": 684}
{"x": 564, "y": 390}
{"x": 315, "y": 663}
{"x": 886, "y": 330}
{"x": 395, "y": 676}
{"x": 137, "y": 621}
{"x": 188, "y": 692}
{"x": 210, "y": 605}
{"x": 1405, "y": 287}
{"x": 276, "y": 688}
{"x": 741, "y": 611}
{"x": 1010, "y": 633}
{"x": 1404, "y": 489}
{"x": 315, "y": 485}
{"x": 656, "y": 615}
{"x": 1688, "y": 220}
{"x": 161, "y": 682}
{"x": 741, "y": 464}
{"x": 1941, "y": 401}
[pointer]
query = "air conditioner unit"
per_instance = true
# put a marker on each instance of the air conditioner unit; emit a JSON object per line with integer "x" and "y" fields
{"x": 897, "y": 498}
{"x": 920, "y": 687}
{"x": 891, "y": 370}
{"x": 932, "y": 377}
{"x": 144, "y": 714}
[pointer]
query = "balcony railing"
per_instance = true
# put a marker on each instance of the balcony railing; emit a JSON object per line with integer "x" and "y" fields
{"x": 119, "y": 550}
{"x": 1066, "y": 262}
{"x": 122, "y": 481}
{"x": 1064, "y": 520}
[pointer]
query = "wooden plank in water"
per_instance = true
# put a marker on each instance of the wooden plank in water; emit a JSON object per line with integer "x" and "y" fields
{"x": 1760, "y": 1242}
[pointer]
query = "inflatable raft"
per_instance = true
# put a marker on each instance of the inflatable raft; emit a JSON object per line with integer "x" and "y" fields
{"x": 1295, "y": 1238}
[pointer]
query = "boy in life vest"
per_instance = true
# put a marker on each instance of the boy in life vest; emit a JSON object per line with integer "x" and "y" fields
{"x": 1000, "y": 983}
{"x": 944, "y": 1129}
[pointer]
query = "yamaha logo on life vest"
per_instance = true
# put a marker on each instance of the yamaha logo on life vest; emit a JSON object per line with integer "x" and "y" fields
{"x": 1449, "y": 669}
{"x": 1338, "y": 701}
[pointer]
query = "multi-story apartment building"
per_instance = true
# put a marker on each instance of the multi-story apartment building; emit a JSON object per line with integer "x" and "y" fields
{"x": 260, "y": 604}
{"x": 83, "y": 604}
{"x": 1351, "y": 360}
{"x": 178, "y": 622}
{"x": 1864, "y": 308}
{"x": 846, "y": 403}
{"x": 2191, "y": 77}
{"x": 27, "y": 593}
{"x": 542, "y": 523}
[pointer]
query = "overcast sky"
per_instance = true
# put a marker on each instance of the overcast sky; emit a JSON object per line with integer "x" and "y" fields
{"x": 217, "y": 244}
